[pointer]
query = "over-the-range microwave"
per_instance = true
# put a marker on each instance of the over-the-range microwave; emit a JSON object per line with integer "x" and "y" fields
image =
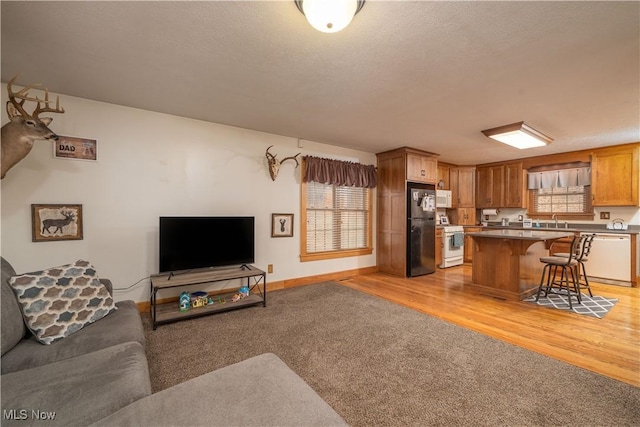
{"x": 443, "y": 198}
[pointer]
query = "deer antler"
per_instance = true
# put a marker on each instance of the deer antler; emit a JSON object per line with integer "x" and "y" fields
{"x": 269, "y": 155}
{"x": 291, "y": 158}
{"x": 274, "y": 164}
{"x": 46, "y": 108}
{"x": 23, "y": 95}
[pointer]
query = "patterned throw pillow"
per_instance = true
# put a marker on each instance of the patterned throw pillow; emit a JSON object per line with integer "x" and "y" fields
{"x": 59, "y": 301}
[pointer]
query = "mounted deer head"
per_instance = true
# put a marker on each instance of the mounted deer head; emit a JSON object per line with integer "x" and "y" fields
{"x": 274, "y": 164}
{"x": 23, "y": 129}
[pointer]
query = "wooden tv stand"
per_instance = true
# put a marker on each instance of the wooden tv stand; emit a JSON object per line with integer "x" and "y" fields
{"x": 170, "y": 312}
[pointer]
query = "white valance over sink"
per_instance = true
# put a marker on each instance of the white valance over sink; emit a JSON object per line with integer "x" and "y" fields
{"x": 559, "y": 178}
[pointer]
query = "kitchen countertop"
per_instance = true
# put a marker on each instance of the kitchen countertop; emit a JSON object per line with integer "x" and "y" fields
{"x": 584, "y": 228}
{"x": 528, "y": 234}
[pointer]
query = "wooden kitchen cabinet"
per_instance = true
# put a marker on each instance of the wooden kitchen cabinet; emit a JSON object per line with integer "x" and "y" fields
{"x": 391, "y": 198}
{"x": 395, "y": 168}
{"x": 463, "y": 189}
{"x": 490, "y": 186}
{"x": 468, "y": 243}
{"x": 515, "y": 192}
{"x": 462, "y": 216}
{"x": 614, "y": 176}
{"x": 422, "y": 167}
{"x": 439, "y": 246}
{"x": 443, "y": 176}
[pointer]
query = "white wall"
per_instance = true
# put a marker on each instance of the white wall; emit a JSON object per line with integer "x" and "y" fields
{"x": 149, "y": 165}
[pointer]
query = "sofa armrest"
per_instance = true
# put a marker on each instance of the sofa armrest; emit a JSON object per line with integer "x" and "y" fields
{"x": 280, "y": 398}
{"x": 107, "y": 284}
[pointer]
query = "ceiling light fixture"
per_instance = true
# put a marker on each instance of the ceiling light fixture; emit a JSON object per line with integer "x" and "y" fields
{"x": 519, "y": 135}
{"x": 329, "y": 16}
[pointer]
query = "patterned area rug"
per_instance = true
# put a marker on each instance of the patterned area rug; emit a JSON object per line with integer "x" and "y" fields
{"x": 595, "y": 306}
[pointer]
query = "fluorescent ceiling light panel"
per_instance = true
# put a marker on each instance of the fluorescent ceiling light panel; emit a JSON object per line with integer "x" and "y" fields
{"x": 519, "y": 135}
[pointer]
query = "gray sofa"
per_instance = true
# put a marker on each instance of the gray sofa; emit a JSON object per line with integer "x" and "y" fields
{"x": 99, "y": 376}
{"x": 81, "y": 378}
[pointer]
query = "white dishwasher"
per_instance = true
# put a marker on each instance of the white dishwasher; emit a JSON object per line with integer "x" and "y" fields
{"x": 610, "y": 257}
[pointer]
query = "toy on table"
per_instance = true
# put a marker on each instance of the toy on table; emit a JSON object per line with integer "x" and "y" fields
{"x": 242, "y": 292}
{"x": 198, "y": 302}
{"x": 199, "y": 299}
{"x": 184, "y": 301}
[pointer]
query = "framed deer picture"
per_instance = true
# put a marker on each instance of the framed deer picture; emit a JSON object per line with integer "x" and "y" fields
{"x": 281, "y": 225}
{"x": 56, "y": 222}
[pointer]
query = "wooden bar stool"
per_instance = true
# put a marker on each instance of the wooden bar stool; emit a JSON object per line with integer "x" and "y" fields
{"x": 584, "y": 250}
{"x": 568, "y": 266}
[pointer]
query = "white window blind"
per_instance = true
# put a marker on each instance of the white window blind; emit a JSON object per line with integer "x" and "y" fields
{"x": 337, "y": 217}
{"x": 562, "y": 199}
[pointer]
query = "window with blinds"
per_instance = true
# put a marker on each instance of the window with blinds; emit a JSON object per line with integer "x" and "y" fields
{"x": 337, "y": 221}
{"x": 562, "y": 200}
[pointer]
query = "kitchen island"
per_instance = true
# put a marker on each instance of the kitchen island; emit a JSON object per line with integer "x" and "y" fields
{"x": 506, "y": 263}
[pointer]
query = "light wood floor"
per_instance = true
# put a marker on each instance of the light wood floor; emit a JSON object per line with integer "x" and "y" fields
{"x": 608, "y": 346}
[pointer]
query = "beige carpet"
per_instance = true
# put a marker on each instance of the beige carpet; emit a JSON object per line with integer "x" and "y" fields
{"x": 380, "y": 364}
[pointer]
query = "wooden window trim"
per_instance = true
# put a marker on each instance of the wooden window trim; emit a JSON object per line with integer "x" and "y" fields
{"x": 589, "y": 215}
{"x": 342, "y": 253}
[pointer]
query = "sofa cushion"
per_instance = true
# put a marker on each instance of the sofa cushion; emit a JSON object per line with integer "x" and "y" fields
{"x": 123, "y": 325}
{"x": 13, "y": 328}
{"x": 79, "y": 390}
{"x": 261, "y": 391}
{"x": 62, "y": 300}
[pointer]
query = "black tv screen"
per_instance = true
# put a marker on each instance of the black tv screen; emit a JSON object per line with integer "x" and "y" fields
{"x": 197, "y": 242}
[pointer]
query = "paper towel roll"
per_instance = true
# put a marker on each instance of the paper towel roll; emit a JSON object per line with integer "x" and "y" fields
{"x": 490, "y": 211}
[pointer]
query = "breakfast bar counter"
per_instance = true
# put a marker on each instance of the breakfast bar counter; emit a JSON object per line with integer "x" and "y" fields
{"x": 506, "y": 263}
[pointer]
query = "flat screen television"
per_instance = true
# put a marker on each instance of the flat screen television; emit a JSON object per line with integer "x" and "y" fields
{"x": 188, "y": 243}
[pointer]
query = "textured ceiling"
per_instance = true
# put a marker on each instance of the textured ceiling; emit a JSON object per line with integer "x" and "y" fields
{"x": 430, "y": 75}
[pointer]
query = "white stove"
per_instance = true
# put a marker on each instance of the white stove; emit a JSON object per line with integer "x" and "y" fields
{"x": 453, "y": 246}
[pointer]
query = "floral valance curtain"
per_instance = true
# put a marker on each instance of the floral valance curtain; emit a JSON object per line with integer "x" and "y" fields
{"x": 337, "y": 172}
{"x": 559, "y": 178}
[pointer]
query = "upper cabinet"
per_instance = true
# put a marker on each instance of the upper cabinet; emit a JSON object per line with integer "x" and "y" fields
{"x": 501, "y": 186}
{"x": 614, "y": 176}
{"x": 422, "y": 167}
{"x": 515, "y": 193}
{"x": 490, "y": 186}
{"x": 444, "y": 176}
{"x": 463, "y": 188}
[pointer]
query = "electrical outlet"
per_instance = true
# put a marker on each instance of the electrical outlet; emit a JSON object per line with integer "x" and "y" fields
{"x": 270, "y": 268}
{"x": 604, "y": 215}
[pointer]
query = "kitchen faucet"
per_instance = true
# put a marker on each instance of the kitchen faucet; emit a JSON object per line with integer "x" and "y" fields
{"x": 555, "y": 217}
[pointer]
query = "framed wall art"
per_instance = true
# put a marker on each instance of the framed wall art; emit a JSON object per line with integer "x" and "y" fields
{"x": 281, "y": 225}
{"x": 56, "y": 222}
{"x": 69, "y": 147}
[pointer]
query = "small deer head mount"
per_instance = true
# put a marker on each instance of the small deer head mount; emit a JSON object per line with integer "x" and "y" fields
{"x": 274, "y": 164}
{"x": 23, "y": 128}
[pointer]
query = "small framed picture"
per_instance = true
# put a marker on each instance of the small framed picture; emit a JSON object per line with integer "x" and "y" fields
{"x": 56, "y": 222}
{"x": 444, "y": 220}
{"x": 69, "y": 147}
{"x": 527, "y": 223}
{"x": 281, "y": 225}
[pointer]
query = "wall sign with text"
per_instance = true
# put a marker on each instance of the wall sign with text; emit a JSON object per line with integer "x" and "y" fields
{"x": 69, "y": 147}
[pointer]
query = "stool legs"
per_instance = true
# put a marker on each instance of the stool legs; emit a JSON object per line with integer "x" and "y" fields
{"x": 563, "y": 284}
{"x": 586, "y": 280}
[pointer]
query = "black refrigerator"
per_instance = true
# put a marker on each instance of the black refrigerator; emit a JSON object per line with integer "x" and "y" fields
{"x": 421, "y": 229}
